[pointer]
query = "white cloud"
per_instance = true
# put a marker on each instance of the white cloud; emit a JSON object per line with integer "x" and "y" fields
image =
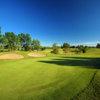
{"x": 88, "y": 43}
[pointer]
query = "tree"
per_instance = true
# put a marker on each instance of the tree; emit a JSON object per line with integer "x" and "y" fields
{"x": 11, "y": 38}
{"x": 98, "y": 45}
{"x": 18, "y": 45}
{"x": 25, "y": 41}
{"x": 82, "y": 48}
{"x": 43, "y": 48}
{"x": 65, "y": 47}
{"x": 73, "y": 46}
{"x": 54, "y": 46}
{"x": 35, "y": 44}
{"x": 0, "y": 30}
{"x": 12, "y": 42}
{"x": 55, "y": 49}
{"x": 3, "y": 39}
{"x": 22, "y": 39}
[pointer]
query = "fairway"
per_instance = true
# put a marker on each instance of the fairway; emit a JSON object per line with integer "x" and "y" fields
{"x": 54, "y": 77}
{"x": 49, "y": 49}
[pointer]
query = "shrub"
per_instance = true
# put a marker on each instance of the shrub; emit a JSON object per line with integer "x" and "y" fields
{"x": 55, "y": 49}
{"x": 43, "y": 48}
{"x": 65, "y": 47}
{"x": 98, "y": 45}
{"x": 65, "y": 50}
{"x": 82, "y": 48}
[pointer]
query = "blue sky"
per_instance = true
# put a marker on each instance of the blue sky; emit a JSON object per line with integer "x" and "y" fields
{"x": 72, "y": 21}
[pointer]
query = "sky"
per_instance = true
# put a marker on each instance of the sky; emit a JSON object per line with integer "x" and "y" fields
{"x": 53, "y": 21}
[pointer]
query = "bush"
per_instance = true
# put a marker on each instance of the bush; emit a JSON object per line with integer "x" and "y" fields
{"x": 65, "y": 50}
{"x": 98, "y": 45}
{"x": 65, "y": 47}
{"x": 82, "y": 48}
{"x": 43, "y": 48}
{"x": 3, "y": 50}
{"x": 73, "y": 47}
{"x": 55, "y": 51}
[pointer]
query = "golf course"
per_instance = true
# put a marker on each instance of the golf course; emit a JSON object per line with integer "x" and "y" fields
{"x": 71, "y": 76}
{"x": 49, "y": 49}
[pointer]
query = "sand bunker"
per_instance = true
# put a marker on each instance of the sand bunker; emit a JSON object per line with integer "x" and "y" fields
{"x": 11, "y": 56}
{"x": 36, "y": 55}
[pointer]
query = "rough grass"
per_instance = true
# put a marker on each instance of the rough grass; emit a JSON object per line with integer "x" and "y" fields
{"x": 55, "y": 77}
{"x": 92, "y": 91}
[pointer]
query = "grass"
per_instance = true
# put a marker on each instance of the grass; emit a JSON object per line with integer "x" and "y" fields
{"x": 92, "y": 91}
{"x": 55, "y": 77}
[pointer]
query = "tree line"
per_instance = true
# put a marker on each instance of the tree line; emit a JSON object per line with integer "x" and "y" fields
{"x": 66, "y": 46}
{"x": 22, "y": 41}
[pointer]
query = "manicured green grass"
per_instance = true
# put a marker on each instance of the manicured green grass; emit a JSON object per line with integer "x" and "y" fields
{"x": 55, "y": 77}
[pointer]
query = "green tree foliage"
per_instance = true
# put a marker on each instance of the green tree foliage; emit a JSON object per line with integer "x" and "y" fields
{"x": 65, "y": 47}
{"x": 73, "y": 46}
{"x": 0, "y": 30}
{"x": 98, "y": 45}
{"x": 11, "y": 37}
{"x": 54, "y": 46}
{"x": 82, "y": 48}
{"x": 28, "y": 40}
{"x": 43, "y": 48}
{"x": 18, "y": 42}
{"x": 18, "y": 45}
{"x": 55, "y": 49}
{"x": 22, "y": 39}
{"x": 25, "y": 41}
{"x": 35, "y": 44}
{"x": 3, "y": 39}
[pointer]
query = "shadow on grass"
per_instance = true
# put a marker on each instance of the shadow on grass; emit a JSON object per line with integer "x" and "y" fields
{"x": 86, "y": 62}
